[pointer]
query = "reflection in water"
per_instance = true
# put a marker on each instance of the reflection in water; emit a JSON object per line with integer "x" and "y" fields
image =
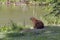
{"x": 18, "y": 14}
{"x": 24, "y": 8}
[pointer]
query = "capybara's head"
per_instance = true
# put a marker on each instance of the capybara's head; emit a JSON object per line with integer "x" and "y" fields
{"x": 33, "y": 19}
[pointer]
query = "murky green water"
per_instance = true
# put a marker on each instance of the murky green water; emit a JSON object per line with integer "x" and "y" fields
{"x": 19, "y": 14}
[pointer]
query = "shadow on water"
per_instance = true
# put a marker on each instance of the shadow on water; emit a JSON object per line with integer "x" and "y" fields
{"x": 48, "y": 33}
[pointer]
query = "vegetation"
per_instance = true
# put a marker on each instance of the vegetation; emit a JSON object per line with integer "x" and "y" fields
{"x": 50, "y": 33}
{"x": 46, "y": 10}
{"x": 12, "y": 28}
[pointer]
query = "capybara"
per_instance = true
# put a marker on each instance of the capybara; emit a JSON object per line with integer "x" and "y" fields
{"x": 38, "y": 24}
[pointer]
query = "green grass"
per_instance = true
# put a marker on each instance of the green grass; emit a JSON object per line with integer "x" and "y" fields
{"x": 49, "y": 33}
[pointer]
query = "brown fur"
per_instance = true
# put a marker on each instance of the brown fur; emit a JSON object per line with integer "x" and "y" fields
{"x": 38, "y": 24}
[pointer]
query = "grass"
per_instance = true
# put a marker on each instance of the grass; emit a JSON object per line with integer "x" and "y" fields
{"x": 49, "y": 33}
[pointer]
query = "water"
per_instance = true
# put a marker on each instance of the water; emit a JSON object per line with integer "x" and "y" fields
{"x": 19, "y": 14}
